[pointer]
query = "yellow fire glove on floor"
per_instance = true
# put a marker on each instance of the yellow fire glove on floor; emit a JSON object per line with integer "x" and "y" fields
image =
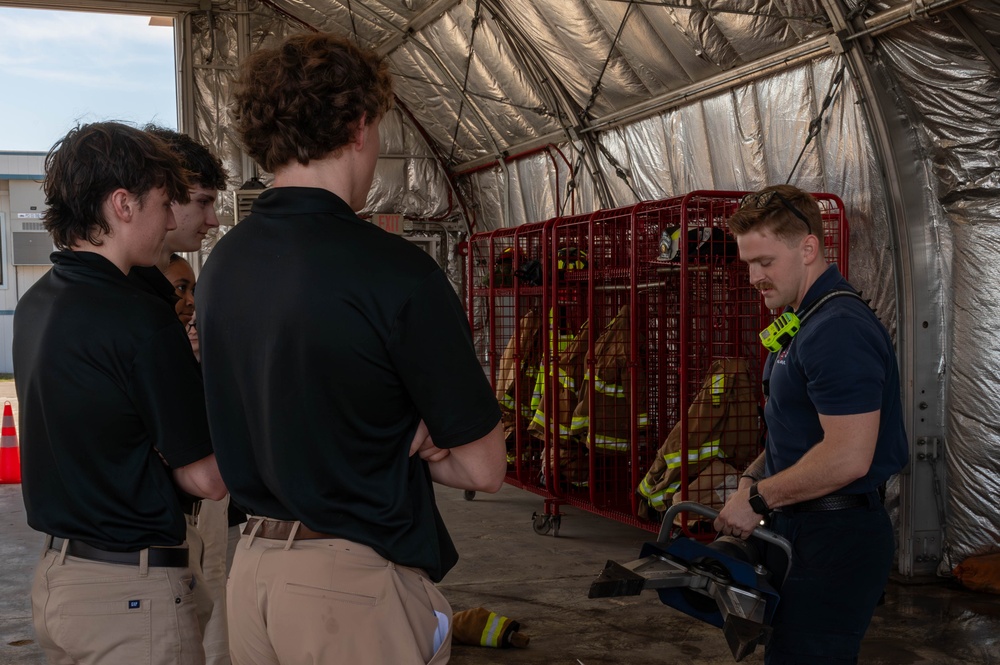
{"x": 480, "y": 627}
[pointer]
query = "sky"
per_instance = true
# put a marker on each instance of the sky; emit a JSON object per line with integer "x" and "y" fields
{"x": 60, "y": 69}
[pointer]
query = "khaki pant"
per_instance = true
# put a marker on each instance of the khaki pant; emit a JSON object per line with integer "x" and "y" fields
{"x": 232, "y": 541}
{"x": 213, "y": 527}
{"x": 196, "y": 555}
{"x": 91, "y": 613}
{"x": 330, "y": 601}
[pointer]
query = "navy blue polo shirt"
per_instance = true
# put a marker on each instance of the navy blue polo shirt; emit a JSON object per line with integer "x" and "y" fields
{"x": 840, "y": 363}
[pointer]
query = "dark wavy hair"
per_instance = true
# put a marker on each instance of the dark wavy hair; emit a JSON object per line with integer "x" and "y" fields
{"x": 206, "y": 169}
{"x": 784, "y": 210}
{"x": 303, "y": 99}
{"x": 89, "y": 163}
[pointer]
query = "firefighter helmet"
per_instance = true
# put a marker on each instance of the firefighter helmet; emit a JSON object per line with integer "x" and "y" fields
{"x": 670, "y": 243}
{"x": 530, "y": 273}
{"x": 571, "y": 258}
{"x": 704, "y": 244}
{"x": 504, "y": 266}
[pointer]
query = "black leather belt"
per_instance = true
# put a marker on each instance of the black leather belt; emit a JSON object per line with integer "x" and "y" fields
{"x": 161, "y": 557}
{"x": 830, "y": 502}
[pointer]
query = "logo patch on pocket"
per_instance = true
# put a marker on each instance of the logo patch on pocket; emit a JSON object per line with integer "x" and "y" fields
{"x": 133, "y": 604}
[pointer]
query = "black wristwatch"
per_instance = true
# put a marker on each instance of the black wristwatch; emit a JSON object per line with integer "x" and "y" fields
{"x": 758, "y": 503}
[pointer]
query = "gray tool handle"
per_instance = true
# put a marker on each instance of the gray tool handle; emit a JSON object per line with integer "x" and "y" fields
{"x": 692, "y": 507}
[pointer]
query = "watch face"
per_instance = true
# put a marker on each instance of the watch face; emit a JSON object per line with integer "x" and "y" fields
{"x": 757, "y": 502}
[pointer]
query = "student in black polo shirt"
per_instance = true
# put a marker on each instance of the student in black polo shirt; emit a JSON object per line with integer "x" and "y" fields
{"x": 112, "y": 411}
{"x": 215, "y": 523}
{"x": 207, "y": 532}
{"x": 326, "y": 343}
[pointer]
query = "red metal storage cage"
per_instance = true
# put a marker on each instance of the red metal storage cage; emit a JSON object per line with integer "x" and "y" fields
{"x": 505, "y": 313}
{"x": 624, "y": 349}
{"x": 705, "y": 317}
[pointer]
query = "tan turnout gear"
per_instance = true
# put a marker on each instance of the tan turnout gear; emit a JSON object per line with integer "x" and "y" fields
{"x": 527, "y": 341}
{"x": 723, "y": 426}
{"x": 610, "y": 425}
{"x": 567, "y": 377}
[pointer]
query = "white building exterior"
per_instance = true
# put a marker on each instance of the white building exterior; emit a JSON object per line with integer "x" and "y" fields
{"x": 24, "y": 244}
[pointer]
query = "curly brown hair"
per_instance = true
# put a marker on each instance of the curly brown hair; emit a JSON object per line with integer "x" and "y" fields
{"x": 89, "y": 163}
{"x": 303, "y": 99}
{"x": 784, "y": 210}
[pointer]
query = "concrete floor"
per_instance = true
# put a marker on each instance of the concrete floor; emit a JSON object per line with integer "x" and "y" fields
{"x": 542, "y": 581}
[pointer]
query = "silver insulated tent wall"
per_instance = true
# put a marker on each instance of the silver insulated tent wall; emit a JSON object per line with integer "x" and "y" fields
{"x": 514, "y": 111}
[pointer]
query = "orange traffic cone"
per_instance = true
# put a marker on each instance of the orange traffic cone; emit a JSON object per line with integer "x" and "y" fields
{"x": 10, "y": 454}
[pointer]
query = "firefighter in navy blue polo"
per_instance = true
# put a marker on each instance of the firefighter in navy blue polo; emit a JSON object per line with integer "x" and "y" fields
{"x": 835, "y": 435}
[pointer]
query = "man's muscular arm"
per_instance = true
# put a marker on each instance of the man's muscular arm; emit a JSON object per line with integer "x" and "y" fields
{"x": 201, "y": 478}
{"x": 479, "y": 465}
{"x": 844, "y": 455}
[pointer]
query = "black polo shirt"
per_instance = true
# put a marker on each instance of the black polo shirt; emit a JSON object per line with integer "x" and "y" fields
{"x": 324, "y": 341}
{"x": 105, "y": 378}
{"x": 152, "y": 280}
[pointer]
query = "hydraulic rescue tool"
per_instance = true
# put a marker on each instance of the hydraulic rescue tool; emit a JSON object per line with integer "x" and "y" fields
{"x": 722, "y": 582}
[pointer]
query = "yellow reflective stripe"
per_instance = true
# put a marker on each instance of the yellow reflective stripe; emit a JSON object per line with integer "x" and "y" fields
{"x": 707, "y": 451}
{"x": 536, "y": 395}
{"x": 610, "y": 442}
{"x": 610, "y": 389}
{"x": 566, "y": 381}
{"x": 718, "y": 387}
{"x": 601, "y": 386}
{"x": 539, "y": 419}
{"x": 605, "y": 437}
{"x": 643, "y": 420}
{"x": 493, "y": 630}
{"x": 605, "y": 388}
{"x": 621, "y": 447}
{"x": 580, "y": 423}
{"x": 508, "y": 401}
{"x": 657, "y": 499}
